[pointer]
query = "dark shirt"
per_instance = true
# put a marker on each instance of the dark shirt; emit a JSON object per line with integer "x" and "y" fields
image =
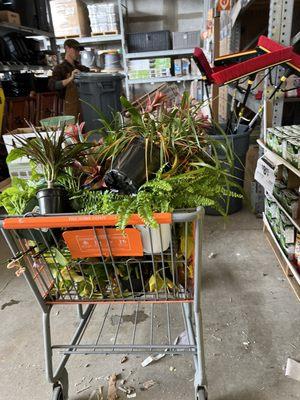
{"x": 61, "y": 72}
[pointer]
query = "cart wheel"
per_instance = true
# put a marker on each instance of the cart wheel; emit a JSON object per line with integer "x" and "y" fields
{"x": 58, "y": 393}
{"x": 201, "y": 394}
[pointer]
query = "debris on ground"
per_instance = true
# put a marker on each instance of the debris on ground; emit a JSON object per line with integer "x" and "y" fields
{"x": 124, "y": 359}
{"x": 101, "y": 394}
{"x": 217, "y": 338}
{"x": 127, "y": 377}
{"x": 265, "y": 274}
{"x": 182, "y": 339}
{"x": 83, "y": 389}
{"x": 80, "y": 382}
{"x": 152, "y": 359}
{"x": 87, "y": 365}
{"x": 246, "y": 344}
{"x": 148, "y": 384}
{"x": 212, "y": 255}
{"x": 94, "y": 395}
{"x": 112, "y": 389}
{"x": 292, "y": 369}
{"x": 172, "y": 369}
{"x": 57, "y": 313}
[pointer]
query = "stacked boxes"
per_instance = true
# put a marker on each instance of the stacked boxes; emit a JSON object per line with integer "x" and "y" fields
{"x": 285, "y": 141}
{"x": 70, "y": 18}
{"x": 149, "y": 68}
{"x": 104, "y": 17}
{"x": 282, "y": 227}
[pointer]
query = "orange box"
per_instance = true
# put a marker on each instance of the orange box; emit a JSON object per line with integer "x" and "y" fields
{"x": 84, "y": 243}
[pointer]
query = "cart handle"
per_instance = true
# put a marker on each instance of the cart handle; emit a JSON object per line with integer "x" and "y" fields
{"x": 76, "y": 221}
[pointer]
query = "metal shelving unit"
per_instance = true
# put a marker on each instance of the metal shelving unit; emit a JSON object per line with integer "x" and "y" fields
{"x": 23, "y": 67}
{"x": 186, "y": 78}
{"x": 287, "y": 266}
{"x": 5, "y": 27}
{"x": 289, "y": 270}
{"x": 278, "y": 159}
{"x": 94, "y": 39}
{"x": 161, "y": 53}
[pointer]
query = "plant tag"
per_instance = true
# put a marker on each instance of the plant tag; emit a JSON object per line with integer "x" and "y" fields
{"x": 265, "y": 174}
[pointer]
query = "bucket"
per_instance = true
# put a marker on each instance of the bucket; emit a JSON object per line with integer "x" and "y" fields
{"x": 88, "y": 57}
{"x": 112, "y": 61}
{"x": 57, "y": 122}
{"x": 240, "y": 145}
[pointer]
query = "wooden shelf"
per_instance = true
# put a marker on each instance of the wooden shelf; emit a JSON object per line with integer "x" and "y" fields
{"x": 290, "y": 271}
{"x": 278, "y": 159}
{"x": 295, "y": 222}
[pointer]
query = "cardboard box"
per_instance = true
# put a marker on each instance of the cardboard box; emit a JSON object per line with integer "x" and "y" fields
{"x": 10, "y": 17}
{"x": 70, "y": 18}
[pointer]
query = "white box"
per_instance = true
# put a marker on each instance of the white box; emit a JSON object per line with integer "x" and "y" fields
{"x": 265, "y": 173}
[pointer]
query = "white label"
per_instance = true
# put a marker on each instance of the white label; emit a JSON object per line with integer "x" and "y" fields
{"x": 265, "y": 174}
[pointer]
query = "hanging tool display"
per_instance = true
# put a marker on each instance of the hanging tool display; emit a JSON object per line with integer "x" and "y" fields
{"x": 234, "y": 67}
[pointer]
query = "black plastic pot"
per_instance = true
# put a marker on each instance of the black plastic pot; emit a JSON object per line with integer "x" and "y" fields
{"x": 52, "y": 200}
{"x": 128, "y": 172}
{"x": 35, "y": 234}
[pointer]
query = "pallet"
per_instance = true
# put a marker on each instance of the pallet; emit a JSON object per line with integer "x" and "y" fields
{"x": 104, "y": 33}
{"x": 70, "y": 37}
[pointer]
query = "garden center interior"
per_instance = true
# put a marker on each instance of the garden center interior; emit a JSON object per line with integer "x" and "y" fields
{"x": 149, "y": 195}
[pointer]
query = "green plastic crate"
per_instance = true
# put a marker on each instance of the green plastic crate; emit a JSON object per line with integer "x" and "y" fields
{"x": 56, "y": 122}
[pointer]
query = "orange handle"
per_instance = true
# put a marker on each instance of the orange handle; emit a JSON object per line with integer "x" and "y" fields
{"x": 78, "y": 221}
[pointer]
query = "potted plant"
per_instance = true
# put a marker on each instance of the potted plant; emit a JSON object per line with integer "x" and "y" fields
{"x": 53, "y": 154}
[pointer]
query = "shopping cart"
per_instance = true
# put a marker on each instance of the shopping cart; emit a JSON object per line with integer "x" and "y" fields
{"x": 84, "y": 260}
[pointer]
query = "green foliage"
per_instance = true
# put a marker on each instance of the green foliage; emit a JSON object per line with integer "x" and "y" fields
{"x": 51, "y": 151}
{"x": 15, "y": 198}
{"x": 204, "y": 186}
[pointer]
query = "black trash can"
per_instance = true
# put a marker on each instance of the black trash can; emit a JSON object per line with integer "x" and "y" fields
{"x": 240, "y": 145}
{"x": 103, "y": 92}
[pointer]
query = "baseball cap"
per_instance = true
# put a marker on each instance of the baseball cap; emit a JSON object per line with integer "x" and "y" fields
{"x": 74, "y": 44}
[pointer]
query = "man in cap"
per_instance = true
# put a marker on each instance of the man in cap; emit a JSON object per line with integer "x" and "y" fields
{"x": 64, "y": 74}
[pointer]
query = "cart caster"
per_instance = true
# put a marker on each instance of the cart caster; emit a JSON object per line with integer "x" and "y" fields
{"x": 57, "y": 393}
{"x": 61, "y": 387}
{"x": 201, "y": 393}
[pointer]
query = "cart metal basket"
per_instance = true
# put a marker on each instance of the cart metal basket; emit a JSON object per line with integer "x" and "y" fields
{"x": 84, "y": 260}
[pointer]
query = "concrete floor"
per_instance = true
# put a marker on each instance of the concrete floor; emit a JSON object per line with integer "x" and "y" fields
{"x": 251, "y": 324}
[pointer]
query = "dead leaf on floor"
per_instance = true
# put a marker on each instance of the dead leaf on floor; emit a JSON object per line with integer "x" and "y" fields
{"x": 148, "y": 384}
{"x": 112, "y": 389}
{"x": 124, "y": 359}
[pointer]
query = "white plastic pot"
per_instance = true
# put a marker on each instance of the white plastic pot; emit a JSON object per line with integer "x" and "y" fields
{"x": 159, "y": 242}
